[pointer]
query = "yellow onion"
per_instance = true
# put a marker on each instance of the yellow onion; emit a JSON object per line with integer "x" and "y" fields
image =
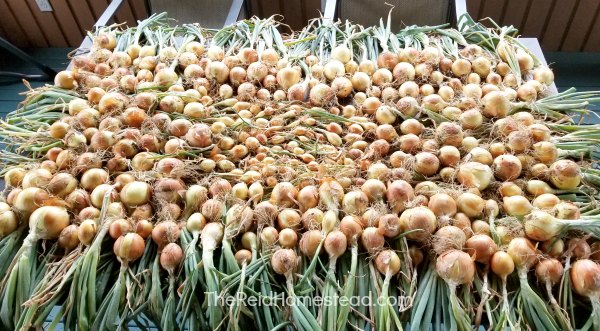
{"x": 523, "y": 253}
{"x": 47, "y": 222}
{"x": 455, "y": 267}
{"x": 135, "y": 194}
{"x": 565, "y": 174}
{"x": 585, "y": 278}
{"x": 129, "y": 248}
{"x": 420, "y": 222}
{"x": 284, "y": 261}
{"x": 475, "y": 174}
{"x": 387, "y": 262}
{"x": 171, "y": 257}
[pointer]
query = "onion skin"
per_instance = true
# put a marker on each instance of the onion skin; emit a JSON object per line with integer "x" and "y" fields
{"x": 565, "y": 174}
{"x": 129, "y": 247}
{"x": 47, "y": 222}
{"x": 284, "y": 262}
{"x": 541, "y": 226}
{"x": 455, "y": 267}
{"x": 387, "y": 262}
{"x": 421, "y": 221}
{"x": 481, "y": 247}
{"x": 502, "y": 264}
{"x": 523, "y": 253}
{"x": 171, "y": 257}
{"x": 585, "y": 278}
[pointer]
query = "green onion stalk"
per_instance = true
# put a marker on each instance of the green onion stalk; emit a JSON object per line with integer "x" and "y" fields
{"x": 542, "y": 226}
{"x": 456, "y": 268}
{"x": 141, "y": 292}
{"x": 361, "y": 316}
{"x": 85, "y": 279}
{"x": 156, "y": 300}
{"x": 549, "y": 272}
{"x": 194, "y": 284}
{"x": 426, "y": 304}
{"x": 349, "y": 288}
{"x": 212, "y": 235}
{"x": 335, "y": 246}
{"x": 529, "y": 304}
{"x": 284, "y": 262}
{"x": 114, "y": 308}
{"x": 25, "y": 270}
{"x": 171, "y": 257}
{"x": 243, "y": 281}
{"x": 565, "y": 292}
{"x": 564, "y": 103}
{"x": 9, "y": 245}
{"x": 487, "y": 301}
{"x": 16, "y": 292}
{"x": 50, "y": 289}
{"x": 387, "y": 263}
{"x": 270, "y": 316}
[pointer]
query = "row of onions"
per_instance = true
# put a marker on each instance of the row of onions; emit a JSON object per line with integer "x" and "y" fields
{"x": 337, "y": 178}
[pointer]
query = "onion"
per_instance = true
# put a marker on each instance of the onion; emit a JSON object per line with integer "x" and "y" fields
{"x": 522, "y": 252}
{"x": 47, "y": 222}
{"x": 118, "y": 228}
{"x": 543, "y": 75}
{"x": 585, "y": 278}
{"x": 567, "y": 211}
{"x": 387, "y": 262}
{"x": 165, "y": 233}
{"x": 284, "y": 262}
{"x": 475, "y": 174}
{"x": 199, "y": 135}
{"x": 287, "y": 77}
{"x": 389, "y": 225}
{"x": 449, "y": 134}
{"x": 420, "y": 222}
{"x": 481, "y": 247}
{"x": 374, "y": 189}
{"x": 398, "y": 194}
{"x": 65, "y": 79}
{"x": 565, "y": 174}
{"x": 30, "y": 199}
{"x": 426, "y": 164}
{"x": 372, "y": 240}
{"x": 321, "y": 95}
{"x": 92, "y": 178}
{"x": 516, "y": 205}
{"x": 129, "y": 248}
{"x": 507, "y": 167}
{"x": 579, "y": 248}
{"x": 360, "y": 81}
{"x": 14, "y": 177}
{"x": 8, "y": 222}
{"x": 455, "y": 267}
{"x": 288, "y": 238}
{"x": 36, "y": 178}
{"x": 443, "y": 206}
{"x": 87, "y": 231}
{"x": 470, "y": 204}
{"x": 546, "y": 201}
{"x": 502, "y": 264}
{"x": 284, "y": 195}
{"x": 171, "y": 257}
{"x": 135, "y": 194}
{"x": 447, "y": 238}
{"x": 288, "y": 218}
{"x": 62, "y": 184}
{"x": 495, "y": 105}
{"x": 310, "y": 242}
